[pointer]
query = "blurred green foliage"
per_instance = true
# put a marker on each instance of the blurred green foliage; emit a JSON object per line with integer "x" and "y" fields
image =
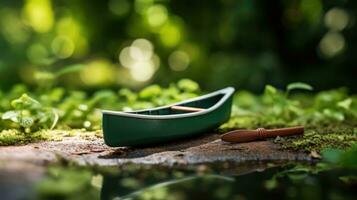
{"x": 281, "y": 108}
{"x": 78, "y": 109}
{"x": 342, "y": 158}
{"x": 67, "y": 184}
{"x": 28, "y": 113}
{"x": 246, "y": 44}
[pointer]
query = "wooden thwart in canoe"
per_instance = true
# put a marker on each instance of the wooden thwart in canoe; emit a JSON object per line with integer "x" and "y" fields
{"x": 186, "y": 108}
{"x": 167, "y": 123}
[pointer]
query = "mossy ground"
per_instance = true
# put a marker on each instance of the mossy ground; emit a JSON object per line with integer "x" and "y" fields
{"x": 318, "y": 138}
{"x": 16, "y": 137}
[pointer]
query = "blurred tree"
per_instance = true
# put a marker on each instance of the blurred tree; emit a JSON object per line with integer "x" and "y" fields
{"x": 133, "y": 43}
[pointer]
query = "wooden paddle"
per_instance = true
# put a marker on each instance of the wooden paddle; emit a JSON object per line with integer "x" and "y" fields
{"x": 260, "y": 133}
{"x": 187, "y": 109}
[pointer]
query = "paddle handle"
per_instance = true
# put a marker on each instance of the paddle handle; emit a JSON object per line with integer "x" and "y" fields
{"x": 187, "y": 109}
{"x": 260, "y": 133}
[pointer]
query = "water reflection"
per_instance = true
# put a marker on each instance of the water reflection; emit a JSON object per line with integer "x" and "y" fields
{"x": 155, "y": 182}
{"x": 113, "y": 187}
{"x": 275, "y": 183}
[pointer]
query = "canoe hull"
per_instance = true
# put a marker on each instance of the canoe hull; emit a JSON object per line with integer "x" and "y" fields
{"x": 129, "y": 131}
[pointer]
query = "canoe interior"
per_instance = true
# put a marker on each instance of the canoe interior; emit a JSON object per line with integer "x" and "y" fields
{"x": 202, "y": 103}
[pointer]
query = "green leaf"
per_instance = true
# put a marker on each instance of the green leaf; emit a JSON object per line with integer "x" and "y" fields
{"x": 270, "y": 90}
{"x": 25, "y": 102}
{"x": 102, "y": 96}
{"x": 11, "y": 115}
{"x": 345, "y": 103}
{"x": 69, "y": 69}
{"x": 55, "y": 119}
{"x": 26, "y": 122}
{"x": 150, "y": 92}
{"x": 129, "y": 95}
{"x": 44, "y": 76}
{"x": 334, "y": 114}
{"x": 295, "y": 109}
{"x": 299, "y": 86}
{"x": 188, "y": 85}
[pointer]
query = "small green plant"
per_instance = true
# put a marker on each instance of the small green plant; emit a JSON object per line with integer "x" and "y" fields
{"x": 279, "y": 107}
{"x": 275, "y": 108}
{"x": 334, "y": 105}
{"x": 29, "y": 115}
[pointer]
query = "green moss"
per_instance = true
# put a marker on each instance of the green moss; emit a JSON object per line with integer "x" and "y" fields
{"x": 15, "y": 137}
{"x": 339, "y": 136}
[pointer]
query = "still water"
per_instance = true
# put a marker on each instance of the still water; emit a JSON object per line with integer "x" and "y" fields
{"x": 293, "y": 181}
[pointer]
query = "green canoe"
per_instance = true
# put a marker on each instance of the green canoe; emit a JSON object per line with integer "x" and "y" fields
{"x": 163, "y": 124}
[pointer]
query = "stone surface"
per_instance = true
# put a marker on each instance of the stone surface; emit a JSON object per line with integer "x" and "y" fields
{"x": 203, "y": 149}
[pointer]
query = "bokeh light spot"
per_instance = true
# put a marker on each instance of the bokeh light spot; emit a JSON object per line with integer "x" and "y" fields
{"x": 39, "y": 15}
{"x": 336, "y": 19}
{"x": 156, "y": 61}
{"x": 125, "y": 58}
{"x": 37, "y": 52}
{"x": 142, "y": 71}
{"x": 332, "y": 44}
{"x": 141, "y": 49}
{"x": 179, "y": 60}
{"x": 143, "y": 44}
{"x": 12, "y": 28}
{"x": 98, "y": 73}
{"x": 140, "y": 60}
{"x": 142, "y": 5}
{"x": 156, "y": 15}
{"x": 170, "y": 34}
{"x": 72, "y": 29}
{"x": 62, "y": 47}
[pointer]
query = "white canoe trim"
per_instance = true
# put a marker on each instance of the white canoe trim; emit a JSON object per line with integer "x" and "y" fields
{"x": 228, "y": 92}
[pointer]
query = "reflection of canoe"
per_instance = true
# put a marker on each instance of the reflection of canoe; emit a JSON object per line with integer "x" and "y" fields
{"x": 164, "y": 123}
